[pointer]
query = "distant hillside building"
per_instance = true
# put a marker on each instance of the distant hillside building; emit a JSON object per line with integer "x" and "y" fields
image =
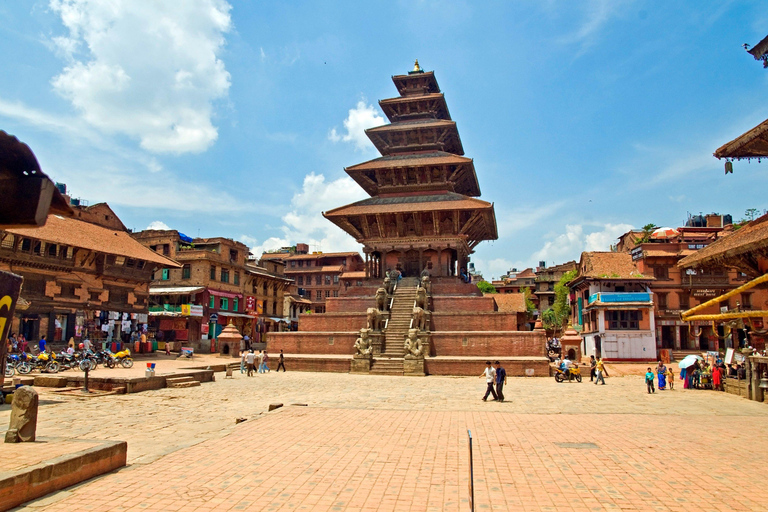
{"x": 319, "y": 276}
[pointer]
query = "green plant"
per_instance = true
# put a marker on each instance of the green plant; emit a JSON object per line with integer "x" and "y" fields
{"x": 486, "y": 287}
{"x": 648, "y": 230}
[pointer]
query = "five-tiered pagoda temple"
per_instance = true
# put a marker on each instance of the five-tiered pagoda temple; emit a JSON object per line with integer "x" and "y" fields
{"x": 422, "y": 213}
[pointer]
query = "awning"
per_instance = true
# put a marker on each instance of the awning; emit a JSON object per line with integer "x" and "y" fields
{"x": 175, "y": 290}
{"x": 237, "y": 315}
{"x": 225, "y": 294}
{"x": 275, "y": 319}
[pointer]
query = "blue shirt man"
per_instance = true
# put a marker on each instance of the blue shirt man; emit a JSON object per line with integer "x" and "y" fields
{"x": 42, "y": 344}
{"x": 501, "y": 379}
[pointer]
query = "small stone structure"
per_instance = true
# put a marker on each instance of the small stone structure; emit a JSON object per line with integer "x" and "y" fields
{"x": 23, "y": 416}
{"x": 229, "y": 341}
{"x": 571, "y": 344}
{"x": 361, "y": 361}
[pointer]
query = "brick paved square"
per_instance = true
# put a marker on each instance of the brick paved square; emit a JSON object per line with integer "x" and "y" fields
{"x": 380, "y": 443}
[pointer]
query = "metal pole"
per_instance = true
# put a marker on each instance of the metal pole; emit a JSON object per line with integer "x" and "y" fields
{"x": 471, "y": 475}
{"x": 85, "y": 382}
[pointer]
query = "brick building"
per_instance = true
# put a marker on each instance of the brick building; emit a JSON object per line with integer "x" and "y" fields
{"x": 612, "y": 303}
{"x": 546, "y": 279}
{"x": 80, "y": 279}
{"x": 675, "y": 289}
{"x": 216, "y": 277}
{"x": 318, "y": 276}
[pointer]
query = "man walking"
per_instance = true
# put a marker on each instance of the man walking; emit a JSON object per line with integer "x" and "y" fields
{"x": 490, "y": 376}
{"x": 261, "y": 361}
{"x": 281, "y": 361}
{"x": 249, "y": 359}
{"x": 600, "y": 370}
{"x": 592, "y": 365}
{"x": 501, "y": 380}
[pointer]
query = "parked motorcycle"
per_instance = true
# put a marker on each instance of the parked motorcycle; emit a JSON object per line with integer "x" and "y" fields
{"x": 20, "y": 363}
{"x": 122, "y": 358}
{"x": 45, "y": 362}
{"x": 573, "y": 373}
{"x": 553, "y": 349}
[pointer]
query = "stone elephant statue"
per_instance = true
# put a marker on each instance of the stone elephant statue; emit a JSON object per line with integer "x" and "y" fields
{"x": 375, "y": 319}
{"x": 420, "y": 319}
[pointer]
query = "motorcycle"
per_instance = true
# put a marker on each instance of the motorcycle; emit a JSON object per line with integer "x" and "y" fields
{"x": 123, "y": 358}
{"x": 553, "y": 349}
{"x": 45, "y": 362}
{"x": 67, "y": 361}
{"x": 573, "y": 373}
{"x": 19, "y": 363}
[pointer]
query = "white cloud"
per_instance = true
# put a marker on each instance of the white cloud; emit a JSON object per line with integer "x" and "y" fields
{"x": 150, "y": 69}
{"x": 597, "y": 13}
{"x": 569, "y": 245}
{"x": 304, "y": 222}
{"x": 360, "y": 118}
{"x": 158, "y": 224}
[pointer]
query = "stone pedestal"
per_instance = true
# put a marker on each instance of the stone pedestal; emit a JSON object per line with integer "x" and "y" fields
{"x": 377, "y": 341}
{"x": 570, "y": 342}
{"x": 360, "y": 364}
{"x": 414, "y": 367}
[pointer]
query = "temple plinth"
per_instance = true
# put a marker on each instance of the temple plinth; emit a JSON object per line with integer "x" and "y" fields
{"x": 423, "y": 213}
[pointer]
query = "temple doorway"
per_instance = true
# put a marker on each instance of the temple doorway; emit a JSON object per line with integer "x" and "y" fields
{"x": 411, "y": 264}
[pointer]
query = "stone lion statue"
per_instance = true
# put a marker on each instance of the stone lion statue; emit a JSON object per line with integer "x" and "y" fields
{"x": 414, "y": 347}
{"x": 389, "y": 285}
{"x": 421, "y": 298}
{"x": 419, "y": 317}
{"x": 381, "y": 299}
{"x": 363, "y": 343}
{"x": 375, "y": 319}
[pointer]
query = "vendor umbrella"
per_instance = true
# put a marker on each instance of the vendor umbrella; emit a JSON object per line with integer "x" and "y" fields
{"x": 689, "y": 360}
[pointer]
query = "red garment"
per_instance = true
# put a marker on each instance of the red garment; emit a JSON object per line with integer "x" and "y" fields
{"x": 717, "y": 377}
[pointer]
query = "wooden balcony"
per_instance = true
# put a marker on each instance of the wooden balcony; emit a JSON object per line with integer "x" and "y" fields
{"x": 36, "y": 260}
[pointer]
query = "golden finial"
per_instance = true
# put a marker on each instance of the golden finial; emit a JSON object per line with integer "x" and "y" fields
{"x": 416, "y": 67}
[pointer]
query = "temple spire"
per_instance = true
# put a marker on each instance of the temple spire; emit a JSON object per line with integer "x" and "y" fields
{"x": 416, "y": 68}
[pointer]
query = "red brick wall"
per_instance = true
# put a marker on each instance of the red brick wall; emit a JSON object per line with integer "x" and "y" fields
{"x": 448, "y": 304}
{"x": 350, "y": 304}
{"x": 474, "y": 321}
{"x": 453, "y": 286}
{"x": 475, "y": 367}
{"x": 305, "y": 364}
{"x": 327, "y": 322}
{"x": 514, "y": 344}
{"x": 312, "y": 343}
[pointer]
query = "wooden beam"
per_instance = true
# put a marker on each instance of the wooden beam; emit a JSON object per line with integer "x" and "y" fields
{"x": 435, "y": 222}
{"x": 382, "y": 226}
{"x": 417, "y": 223}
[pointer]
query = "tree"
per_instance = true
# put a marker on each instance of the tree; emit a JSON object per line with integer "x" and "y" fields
{"x": 648, "y": 230}
{"x": 486, "y": 287}
{"x": 530, "y": 307}
{"x": 556, "y": 317}
{"x": 750, "y": 213}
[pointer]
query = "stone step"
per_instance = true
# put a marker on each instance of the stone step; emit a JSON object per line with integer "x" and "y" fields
{"x": 182, "y": 381}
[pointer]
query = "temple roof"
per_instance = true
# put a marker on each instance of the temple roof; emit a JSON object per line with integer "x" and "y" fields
{"x": 411, "y": 203}
{"x": 456, "y": 171}
{"x": 416, "y": 135}
{"x": 416, "y": 83}
{"x": 751, "y": 238}
{"x": 413, "y": 107}
{"x": 752, "y": 144}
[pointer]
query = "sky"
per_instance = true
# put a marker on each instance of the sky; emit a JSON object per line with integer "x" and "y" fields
{"x": 236, "y": 119}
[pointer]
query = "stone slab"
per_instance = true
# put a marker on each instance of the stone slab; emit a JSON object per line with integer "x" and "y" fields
{"x": 31, "y": 470}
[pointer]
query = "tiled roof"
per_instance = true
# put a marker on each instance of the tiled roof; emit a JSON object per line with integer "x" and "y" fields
{"x": 284, "y": 256}
{"x": 426, "y": 202}
{"x": 413, "y": 124}
{"x": 609, "y": 265}
{"x": 509, "y": 302}
{"x": 76, "y": 233}
{"x": 752, "y": 144}
{"x": 409, "y": 160}
{"x": 748, "y": 238}
{"x": 358, "y": 274}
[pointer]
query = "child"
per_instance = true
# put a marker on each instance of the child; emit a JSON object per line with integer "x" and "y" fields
{"x": 649, "y": 381}
{"x": 670, "y": 378}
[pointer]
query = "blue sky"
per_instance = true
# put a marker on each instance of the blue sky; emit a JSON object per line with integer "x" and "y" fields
{"x": 584, "y": 119}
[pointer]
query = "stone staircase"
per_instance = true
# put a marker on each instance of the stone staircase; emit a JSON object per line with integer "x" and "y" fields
{"x": 181, "y": 381}
{"x": 390, "y": 361}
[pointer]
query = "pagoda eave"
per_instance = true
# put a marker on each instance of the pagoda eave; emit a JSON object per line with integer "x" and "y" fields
{"x": 415, "y": 107}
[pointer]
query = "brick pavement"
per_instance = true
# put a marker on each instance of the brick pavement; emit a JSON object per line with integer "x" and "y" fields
{"x": 383, "y": 443}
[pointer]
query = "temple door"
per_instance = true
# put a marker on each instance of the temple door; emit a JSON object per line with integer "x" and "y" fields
{"x": 411, "y": 264}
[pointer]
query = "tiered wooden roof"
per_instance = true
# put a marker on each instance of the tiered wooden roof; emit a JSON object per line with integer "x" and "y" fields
{"x": 753, "y": 144}
{"x": 422, "y": 186}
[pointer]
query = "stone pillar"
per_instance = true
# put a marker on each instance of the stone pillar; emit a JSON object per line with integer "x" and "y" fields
{"x": 677, "y": 338}
{"x": 360, "y": 364}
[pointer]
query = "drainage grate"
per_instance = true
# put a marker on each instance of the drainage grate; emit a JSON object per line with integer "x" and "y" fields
{"x": 578, "y": 446}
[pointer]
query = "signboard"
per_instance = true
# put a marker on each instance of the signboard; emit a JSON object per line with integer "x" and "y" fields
{"x": 10, "y": 287}
{"x": 195, "y": 310}
{"x": 637, "y": 253}
{"x": 705, "y": 292}
{"x": 214, "y": 317}
{"x": 259, "y": 307}
{"x": 204, "y": 329}
{"x": 250, "y": 303}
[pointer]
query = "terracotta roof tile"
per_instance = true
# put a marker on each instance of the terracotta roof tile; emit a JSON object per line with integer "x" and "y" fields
{"x": 509, "y": 302}
{"x": 358, "y": 274}
{"x": 394, "y": 204}
{"x": 76, "y": 233}
{"x": 609, "y": 265}
{"x": 410, "y": 160}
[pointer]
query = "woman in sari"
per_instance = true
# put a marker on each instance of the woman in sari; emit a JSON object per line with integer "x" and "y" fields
{"x": 717, "y": 378}
{"x": 662, "y": 373}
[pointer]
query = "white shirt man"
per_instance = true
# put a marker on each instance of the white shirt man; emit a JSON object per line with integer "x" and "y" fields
{"x": 490, "y": 376}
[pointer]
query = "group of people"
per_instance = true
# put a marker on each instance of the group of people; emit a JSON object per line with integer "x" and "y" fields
{"x": 702, "y": 374}
{"x": 597, "y": 371}
{"x": 249, "y": 358}
{"x": 495, "y": 379}
{"x": 665, "y": 376}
